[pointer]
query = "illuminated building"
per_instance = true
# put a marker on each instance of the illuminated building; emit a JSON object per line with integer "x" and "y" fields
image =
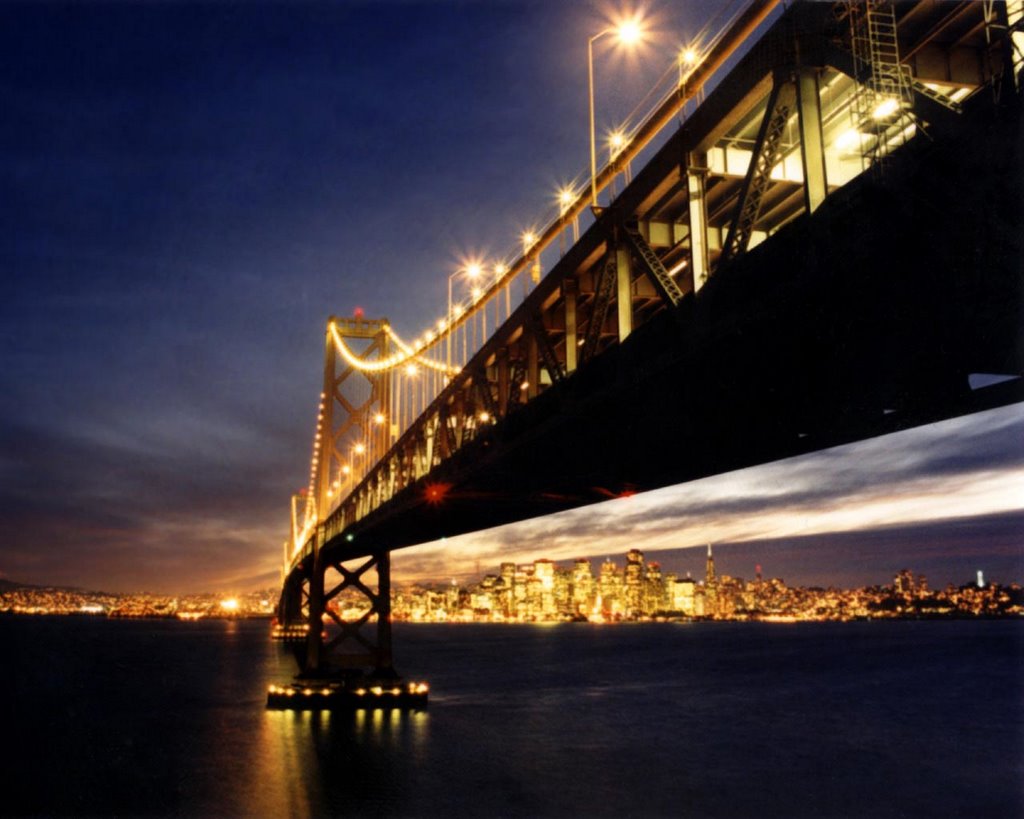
{"x": 903, "y": 582}
{"x": 655, "y": 590}
{"x": 544, "y": 578}
{"x": 507, "y": 589}
{"x": 609, "y": 587}
{"x": 684, "y": 596}
{"x": 634, "y": 583}
{"x": 563, "y": 593}
{"x": 583, "y": 590}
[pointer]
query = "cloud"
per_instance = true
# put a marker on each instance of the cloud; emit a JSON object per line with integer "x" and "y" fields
{"x": 120, "y": 508}
{"x": 961, "y": 468}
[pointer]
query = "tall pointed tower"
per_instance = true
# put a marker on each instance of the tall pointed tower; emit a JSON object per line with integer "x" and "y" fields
{"x": 710, "y": 587}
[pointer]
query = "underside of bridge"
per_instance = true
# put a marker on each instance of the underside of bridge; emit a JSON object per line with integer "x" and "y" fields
{"x": 814, "y": 257}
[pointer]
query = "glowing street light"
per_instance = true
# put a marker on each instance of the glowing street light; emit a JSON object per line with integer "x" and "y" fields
{"x": 566, "y": 196}
{"x": 688, "y": 58}
{"x": 627, "y": 33}
{"x": 616, "y": 142}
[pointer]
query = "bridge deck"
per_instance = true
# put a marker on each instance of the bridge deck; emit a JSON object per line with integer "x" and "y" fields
{"x": 863, "y": 316}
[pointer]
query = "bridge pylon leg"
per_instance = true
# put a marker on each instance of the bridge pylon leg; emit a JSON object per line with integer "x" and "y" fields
{"x": 292, "y": 621}
{"x": 314, "y": 640}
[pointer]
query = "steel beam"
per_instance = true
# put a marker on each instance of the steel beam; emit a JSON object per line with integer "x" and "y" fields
{"x": 569, "y": 287}
{"x": 314, "y": 642}
{"x": 624, "y": 291}
{"x": 542, "y": 345}
{"x": 664, "y": 285}
{"x": 532, "y": 365}
{"x": 696, "y": 175}
{"x": 812, "y": 141}
{"x": 767, "y": 150}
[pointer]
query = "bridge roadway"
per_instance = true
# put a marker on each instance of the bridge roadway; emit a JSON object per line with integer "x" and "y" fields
{"x": 856, "y": 315}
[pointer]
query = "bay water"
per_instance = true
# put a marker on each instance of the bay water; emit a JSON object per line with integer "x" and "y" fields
{"x": 870, "y": 719}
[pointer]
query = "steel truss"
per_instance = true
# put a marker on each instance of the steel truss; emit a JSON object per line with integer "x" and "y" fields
{"x": 766, "y": 153}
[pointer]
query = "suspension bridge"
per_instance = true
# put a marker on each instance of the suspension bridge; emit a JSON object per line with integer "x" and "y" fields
{"x": 823, "y": 245}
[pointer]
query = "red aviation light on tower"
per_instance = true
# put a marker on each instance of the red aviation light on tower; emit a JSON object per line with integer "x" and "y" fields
{"x": 358, "y": 313}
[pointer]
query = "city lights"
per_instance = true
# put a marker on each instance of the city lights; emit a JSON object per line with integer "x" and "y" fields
{"x": 609, "y": 592}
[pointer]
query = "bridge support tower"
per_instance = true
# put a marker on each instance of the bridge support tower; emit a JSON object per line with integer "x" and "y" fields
{"x": 336, "y": 603}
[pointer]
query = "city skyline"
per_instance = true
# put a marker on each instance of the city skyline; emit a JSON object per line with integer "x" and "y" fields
{"x": 946, "y": 496}
{"x": 190, "y": 192}
{"x": 624, "y": 588}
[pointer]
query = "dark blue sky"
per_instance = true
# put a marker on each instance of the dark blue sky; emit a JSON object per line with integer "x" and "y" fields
{"x": 189, "y": 190}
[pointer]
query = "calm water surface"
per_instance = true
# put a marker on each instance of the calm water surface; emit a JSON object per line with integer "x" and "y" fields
{"x": 719, "y": 720}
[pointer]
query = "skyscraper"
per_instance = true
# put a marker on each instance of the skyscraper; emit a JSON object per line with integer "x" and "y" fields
{"x": 710, "y": 587}
{"x": 582, "y": 587}
{"x": 634, "y": 580}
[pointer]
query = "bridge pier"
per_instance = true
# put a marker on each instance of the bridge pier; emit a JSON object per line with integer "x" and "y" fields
{"x": 347, "y": 658}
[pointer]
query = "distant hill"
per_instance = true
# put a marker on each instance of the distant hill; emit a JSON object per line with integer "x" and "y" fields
{"x": 10, "y": 585}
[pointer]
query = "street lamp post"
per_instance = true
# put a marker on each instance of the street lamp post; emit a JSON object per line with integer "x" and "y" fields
{"x": 470, "y": 271}
{"x": 627, "y": 32}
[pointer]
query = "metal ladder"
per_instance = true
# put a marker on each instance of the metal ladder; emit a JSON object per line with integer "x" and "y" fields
{"x": 884, "y": 98}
